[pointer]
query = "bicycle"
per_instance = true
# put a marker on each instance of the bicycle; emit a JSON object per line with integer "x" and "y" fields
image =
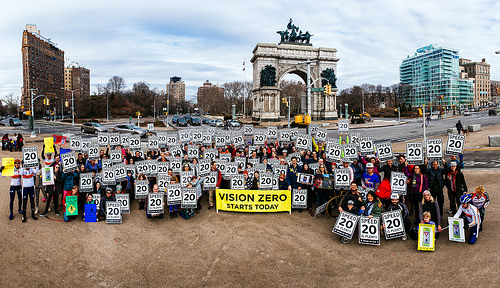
{"x": 333, "y": 204}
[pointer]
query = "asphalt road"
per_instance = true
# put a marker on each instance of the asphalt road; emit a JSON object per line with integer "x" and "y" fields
{"x": 411, "y": 130}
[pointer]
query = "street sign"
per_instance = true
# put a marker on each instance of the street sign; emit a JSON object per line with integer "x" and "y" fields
{"x": 318, "y": 89}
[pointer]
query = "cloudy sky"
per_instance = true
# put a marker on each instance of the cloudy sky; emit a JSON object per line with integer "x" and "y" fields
{"x": 152, "y": 41}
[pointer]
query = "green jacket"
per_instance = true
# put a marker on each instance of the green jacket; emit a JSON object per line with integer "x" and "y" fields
{"x": 377, "y": 209}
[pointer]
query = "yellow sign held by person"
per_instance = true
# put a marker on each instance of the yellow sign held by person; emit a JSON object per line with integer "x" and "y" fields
{"x": 8, "y": 164}
{"x": 49, "y": 144}
{"x": 426, "y": 237}
{"x": 254, "y": 200}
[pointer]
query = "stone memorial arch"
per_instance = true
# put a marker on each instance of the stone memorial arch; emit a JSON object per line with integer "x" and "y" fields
{"x": 271, "y": 62}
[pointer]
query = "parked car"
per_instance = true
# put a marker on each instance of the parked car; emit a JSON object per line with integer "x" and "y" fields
{"x": 219, "y": 123}
{"x": 182, "y": 122}
{"x": 466, "y": 113}
{"x": 11, "y": 122}
{"x": 233, "y": 123}
{"x": 130, "y": 128}
{"x": 492, "y": 112}
{"x": 175, "y": 119}
{"x": 211, "y": 122}
{"x": 195, "y": 121}
{"x": 188, "y": 118}
{"x": 93, "y": 127}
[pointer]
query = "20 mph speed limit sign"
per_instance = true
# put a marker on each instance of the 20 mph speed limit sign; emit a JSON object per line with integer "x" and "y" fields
{"x": 398, "y": 183}
{"x": 299, "y": 198}
{"x": 455, "y": 144}
{"x": 345, "y": 225}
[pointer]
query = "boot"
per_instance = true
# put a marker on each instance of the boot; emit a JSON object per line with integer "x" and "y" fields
{"x": 171, "y": 215}
{"x": 24, "y": 217}
{"x": 33, "y": 215}
{"x": 141, "y": 205}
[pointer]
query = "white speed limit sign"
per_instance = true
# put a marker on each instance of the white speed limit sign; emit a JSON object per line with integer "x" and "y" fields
{"x": 320, "y": 135}
{"x": 189, "y": 198}
{"x": 350, "y": 151}
{"x": 303, "y": 142}
{"x": 238, "y": 182}
{"x": 414, "y": 152}
{"x": 248, "y": 130}
{"x": 86, "y": 182}
{"x": 113, "y": 212}
{"x": 203, "y": 167}
{"x": 398, "y": 183}
{"x": 434, "y": 149}
{"x": 343, "y": 125}
{"x": 171, "y": 140}
{"x": 30, "y": 157}
{"x": 259, "y": 139}
{"x": 115, "y": 155}
{"x": 114, "y": 139}
{"x": 141, "y": 189}
{"x": 455, "y": 144}
{"x": 93, "y": 152}
{"x": 210, "y": 181}
{"x": 135, "y": 142}
{"x": 393, "y": 224}
{"x": 272, "y": 132}
{"x": 342, "y": 178}
{"x": 384, "y": 151}
{"x": 299, "y": 198}
{"x": 153, "y": 143}
{"x": 369, "y": 230}
{"x": 102, "y": 139}
{"x": 366, "y": 145}
{"x": 174, "y": 194}
{"x": 155, "y": 203}
{"x": 345, "y": 225}
{"x": 108, "y": 176}
{"x": 75, "y": 143}
{"x": 266, "y": 181}
{"x": 193, "y": 151}
{"x": 124, "y": 200}
{"x": 68, "y": 162}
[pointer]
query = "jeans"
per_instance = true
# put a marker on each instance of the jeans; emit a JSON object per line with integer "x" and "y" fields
{"x": 51, "y": 191}
{"x": 13, "y": 191}
{"x": 29, "y": 191}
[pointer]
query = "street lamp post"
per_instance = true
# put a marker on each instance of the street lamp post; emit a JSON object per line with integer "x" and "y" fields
{"x": 308, "y": 80}
{"x": 33, "y": 114}
{"x": 346, "y": 111}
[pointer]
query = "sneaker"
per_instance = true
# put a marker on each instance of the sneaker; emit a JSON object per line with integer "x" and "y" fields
{"x": 43, "y": 214}
{"x": 43, "y": 200}
{"x": 49, "y": 210}
{"x": 57, "y": 213}
{"x": 404, "y": 238}
{"x": 34, "y": 217}
{"x": 210, "y": 207}
{"x": 449, "y": 211}
{"x": 11, "y": 216}
{"x": 24, "y": 218}
{"x": 20, "y": 211}
{"x": 36, "y": 210}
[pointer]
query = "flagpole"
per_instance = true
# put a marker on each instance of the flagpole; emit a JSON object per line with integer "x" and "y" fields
{"x": 244, "y": 83}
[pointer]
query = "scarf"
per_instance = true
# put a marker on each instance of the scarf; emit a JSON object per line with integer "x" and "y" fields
{"x": 453, "y": 177}
{"x": 421, "y": 181}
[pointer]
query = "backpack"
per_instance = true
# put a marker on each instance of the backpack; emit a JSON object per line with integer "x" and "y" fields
{"x": 384, "y": 189}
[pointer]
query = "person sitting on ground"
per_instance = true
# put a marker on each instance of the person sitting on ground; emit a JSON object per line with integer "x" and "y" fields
{"x": 108, "y": 197}
{"x": 429, "y": 204}
{"x": 373, "y": 205}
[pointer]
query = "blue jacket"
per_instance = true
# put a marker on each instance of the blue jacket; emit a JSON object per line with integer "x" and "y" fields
{"x": 291, "y": 176}
{"x": 68, "y": 180}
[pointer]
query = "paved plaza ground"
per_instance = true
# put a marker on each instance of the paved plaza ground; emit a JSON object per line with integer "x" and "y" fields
{"x": 238, "y": 250}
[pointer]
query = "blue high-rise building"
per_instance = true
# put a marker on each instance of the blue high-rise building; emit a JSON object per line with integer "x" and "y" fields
{"x": 433, "y": 73}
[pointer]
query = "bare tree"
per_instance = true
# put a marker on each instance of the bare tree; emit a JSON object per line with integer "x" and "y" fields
{"x": 294, "y": 89}
{"x": 115, "y": 85}
{"x": 11, "y": 103}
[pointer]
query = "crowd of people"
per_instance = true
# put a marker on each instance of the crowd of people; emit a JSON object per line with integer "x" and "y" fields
{"x": 14, "y": 143}
{"x": 423, "y": 202}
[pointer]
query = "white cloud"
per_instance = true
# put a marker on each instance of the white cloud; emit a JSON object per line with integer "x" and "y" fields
{"x": 197, "y": 40}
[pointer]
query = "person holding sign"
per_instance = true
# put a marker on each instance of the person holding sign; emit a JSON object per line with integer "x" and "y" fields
{"x": 395, "y": 205}
{"x": 435, "y": 176}
{"x": 211, "y": 193}
{"x": 108, "y": 197}
{"x": 455, "y": 182}
{"x": 89, "y": 200}
{"x": 373, "y": 206}
{"x": 74, "y": 192}
{"x": 480, "y": 200}
{"x": 427, "y": 220}
{"x": 471, "y": 217}
{"x": 29, "y": 175}
{"x": 369, "y": 179}
{"x": 15, "y": 188}
{"x": 196, "y": 182}
{"x": 429, "y": 204}
{"x": 159, "y": 215}
{"x": 419, "y": 184}
{"x": 353, "y": 196}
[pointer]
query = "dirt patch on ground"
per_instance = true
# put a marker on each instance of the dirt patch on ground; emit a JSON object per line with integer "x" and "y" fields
{"x": 235, "y": 250}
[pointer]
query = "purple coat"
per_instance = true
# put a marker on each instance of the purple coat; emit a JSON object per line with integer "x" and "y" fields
{"x": 416, "y": 181}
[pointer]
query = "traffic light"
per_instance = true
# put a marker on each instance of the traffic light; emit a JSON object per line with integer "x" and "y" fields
{"x": 46, "y": 101}
{"x": 66, "y": 104}
{"x": 328, "y": 89}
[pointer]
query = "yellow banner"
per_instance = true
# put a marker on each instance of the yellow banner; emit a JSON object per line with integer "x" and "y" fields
{"x": 254, "y": 200}
{"x": 49, "y": 144}
{"x": 8, "y": 164}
